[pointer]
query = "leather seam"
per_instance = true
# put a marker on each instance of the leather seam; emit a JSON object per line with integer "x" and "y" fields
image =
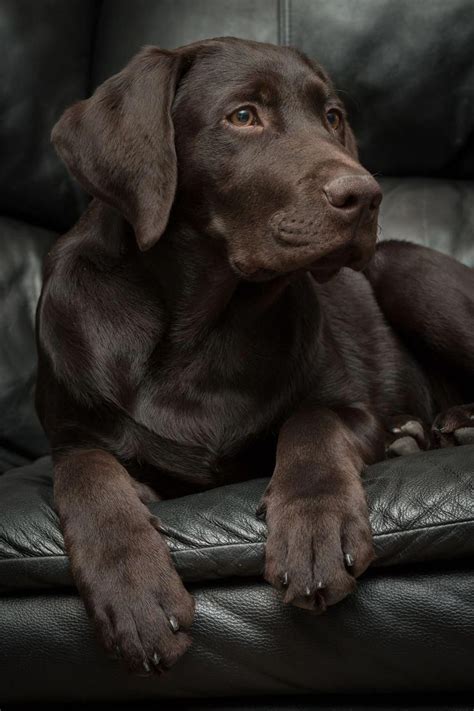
{"x": 256, "y": 543}
{"x": 424, "y": 528}
{"x": 284, "y": 22}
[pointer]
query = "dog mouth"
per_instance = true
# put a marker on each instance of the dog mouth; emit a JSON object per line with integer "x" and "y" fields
{"x": 322, "y": 268}
{"x": 323, "y": 274}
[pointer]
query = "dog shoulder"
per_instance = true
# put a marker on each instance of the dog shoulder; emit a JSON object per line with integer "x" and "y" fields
{"x": 98, "y": 319}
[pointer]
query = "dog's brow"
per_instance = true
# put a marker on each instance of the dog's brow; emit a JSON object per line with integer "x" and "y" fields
{"x": 261, "y": 92}
{"x": 316, "y": 91}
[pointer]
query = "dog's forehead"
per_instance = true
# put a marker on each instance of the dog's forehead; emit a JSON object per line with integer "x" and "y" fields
{"x": 261, "y": 72}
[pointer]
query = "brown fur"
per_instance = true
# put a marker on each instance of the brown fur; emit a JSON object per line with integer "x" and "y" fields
{"x": 201, "y": 325}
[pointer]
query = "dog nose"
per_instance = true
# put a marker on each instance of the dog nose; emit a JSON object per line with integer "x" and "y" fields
{"x": 354, "y": 195}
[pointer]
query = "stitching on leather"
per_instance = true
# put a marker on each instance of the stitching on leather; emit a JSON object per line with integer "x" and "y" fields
{"x": 451, "y": 494}
{"x": 454, "y": 524}
{"x": 393, "y": 532}
{"x": 289, "y": 24}
{"x": 34, "y": 557}
{"x": 284, "y": 29}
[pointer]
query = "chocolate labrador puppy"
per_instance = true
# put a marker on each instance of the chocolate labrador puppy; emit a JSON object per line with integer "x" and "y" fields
{"x": 218, "y": 314}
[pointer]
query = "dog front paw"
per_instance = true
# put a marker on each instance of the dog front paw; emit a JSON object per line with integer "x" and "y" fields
{"x": 137, "y": 602}
{"x": 316, "y": 548}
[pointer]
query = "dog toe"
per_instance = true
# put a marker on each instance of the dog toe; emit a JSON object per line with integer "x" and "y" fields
{"x": 406, "y": 435}
{"x": 464, "y": 435}
{"x": 402, "y": 446}
{"x": 454, "y": 426}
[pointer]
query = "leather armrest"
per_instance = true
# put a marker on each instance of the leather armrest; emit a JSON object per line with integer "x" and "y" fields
{"x": 421, "y": 509}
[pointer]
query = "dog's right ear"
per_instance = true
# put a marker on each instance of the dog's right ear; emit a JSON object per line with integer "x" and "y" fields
{"x": 119, "y": 144}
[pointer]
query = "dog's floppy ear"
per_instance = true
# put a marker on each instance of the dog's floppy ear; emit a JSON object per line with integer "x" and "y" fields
{"x": 119, "y": 144}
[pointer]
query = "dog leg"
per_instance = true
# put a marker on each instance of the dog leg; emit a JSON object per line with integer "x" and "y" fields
{"x": 144, "y": 492}
{"x": 319, "y": 539}
{"x": 120, "y": 562}
{"x": 428, "y": 298}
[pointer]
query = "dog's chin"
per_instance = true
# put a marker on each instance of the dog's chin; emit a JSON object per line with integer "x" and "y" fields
{"x": 323, "y": 268}
{"x": 327, "y": 268}
{"x": 321, "y": 274}
{"x": 258, "y": 275}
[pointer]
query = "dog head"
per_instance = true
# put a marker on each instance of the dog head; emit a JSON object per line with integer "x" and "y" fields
{"x": 247, "y": 143}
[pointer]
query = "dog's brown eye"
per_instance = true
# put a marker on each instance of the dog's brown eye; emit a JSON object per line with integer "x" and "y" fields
{"x": 244, "y": 117}
{"x": 334, "y": 119}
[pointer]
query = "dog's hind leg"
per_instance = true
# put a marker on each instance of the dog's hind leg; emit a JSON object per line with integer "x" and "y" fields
{"x": 428, "y": 298}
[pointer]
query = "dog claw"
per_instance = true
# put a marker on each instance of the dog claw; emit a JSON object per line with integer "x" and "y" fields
{"x": 155, "y": 660}
{"x": 349, "y": 560}
{"x": 174, "y": 624}
{"x": 146, "y": 667}
{"x": 285, "y": 580}
{"x": 320, "y": 585}
{"x": 307, "y": 591}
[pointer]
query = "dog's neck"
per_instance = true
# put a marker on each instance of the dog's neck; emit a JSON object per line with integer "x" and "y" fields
{"x": 200, "y": 288}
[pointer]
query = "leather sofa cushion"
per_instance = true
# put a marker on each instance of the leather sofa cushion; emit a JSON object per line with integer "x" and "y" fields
{"x": 45, "y": 67}
{"x": 421, "y": 508}
{"x": 405, "y": 70}
{"x": 22, "y": 250}
{"x": 436, "y": 213}
{"x": 408, "y": 630}
{"x": 172, "y": 23}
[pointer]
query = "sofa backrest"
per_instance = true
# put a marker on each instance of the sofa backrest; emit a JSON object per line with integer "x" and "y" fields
{"x": 404, "y": 67}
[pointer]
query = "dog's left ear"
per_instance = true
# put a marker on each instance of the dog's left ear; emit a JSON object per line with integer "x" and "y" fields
{"x": 119, "y": 144}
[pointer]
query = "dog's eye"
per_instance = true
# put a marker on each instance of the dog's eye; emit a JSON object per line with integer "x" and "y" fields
{"x": 334, "y": 119}
{"x": 244, "y": 117}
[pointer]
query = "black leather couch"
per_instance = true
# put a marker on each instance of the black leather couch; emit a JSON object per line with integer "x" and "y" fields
{"x": 406, "y": 70}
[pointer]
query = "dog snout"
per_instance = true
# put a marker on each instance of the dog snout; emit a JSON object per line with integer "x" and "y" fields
{"x": 353, "y": 196}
